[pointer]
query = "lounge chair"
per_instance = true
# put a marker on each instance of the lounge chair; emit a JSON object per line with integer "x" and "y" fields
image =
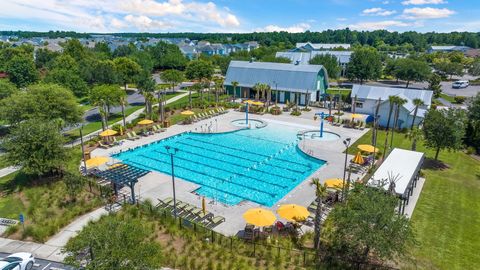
{"x": 215, "y": 221}
{"x": 155, "y": 129}
{"x": 164, "y": 202}
{"x": 195, "y": 118}
{"x": 160, "y": 128}
{"x": 104, "y": 146}
{"x": 135, "y": 135}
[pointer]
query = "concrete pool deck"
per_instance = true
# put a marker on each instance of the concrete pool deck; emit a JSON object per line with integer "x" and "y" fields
{"x": 156, "y": 185}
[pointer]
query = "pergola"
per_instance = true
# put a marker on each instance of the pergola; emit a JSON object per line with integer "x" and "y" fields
{"x": 122, "y": 174}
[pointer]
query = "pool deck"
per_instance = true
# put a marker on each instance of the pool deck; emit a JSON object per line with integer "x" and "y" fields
{"x": 156, "y": 185}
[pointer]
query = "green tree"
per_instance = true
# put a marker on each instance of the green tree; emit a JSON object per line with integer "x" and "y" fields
{"x": 218, "y": 84}
{"x": 7, "y": 89}
{"x": 105, "y": 96}
{"x": 124, "y": 50}
{"x": 167, "y": 56}
{"x": 144, "y": 59}
{"x": 434, "y": 84}
{"x": 44, "y": 56}
{"x": 415, "y": 134}
{"x": 472, "y": 137}
{"x": 474, "y": 70}
{"x": 127, "y": 70}
{"x": 417, "y": 102}
{"x": 173, "y": 77}
{"x": 320, "y": 194}
{"x": 75, "y": 49}
{"x": 146, "y": 86}
{"x": 103, "y": 49}
{"x": 41, "y": 101}
{"x": 21, "y": 70}
{"x": 444, "y": 129}
{"x": 399, "y": 102}
{"x": 64, "y": 61}
{"x": 199, "y": 70}
{"x": 365, "y": 64}
{"x": 274, "y": 59}
{"x": 408, "y": 69}
{"x": 103, "y": 72}
{"x": 37, "y": 146}
{"x": 235, "y": 85}
{"x": 446, "y": 67}
{"x": 329, "y": 62}
{"x": 114, "y": 242}
{"x": 69, "y": 79}
{"x": 367, "y": 228}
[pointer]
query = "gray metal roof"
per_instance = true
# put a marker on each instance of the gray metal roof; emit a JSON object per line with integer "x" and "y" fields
{"x": 290, "y": 77}
{"x": 376, "y": 92}
{"x": 343, "y": 57}
{"x": 322, "y": 46}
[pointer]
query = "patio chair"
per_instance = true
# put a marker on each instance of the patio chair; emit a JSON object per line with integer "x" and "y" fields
{"x": 195, "y": 118}
{"x": 215, "y": 221}
{"x": 155, "y": 129}
{"x": 164, "y": 202}
{"x": 248, "y": 232}
{"x": 135, "y": 135}
{"x": 104, "y": 146}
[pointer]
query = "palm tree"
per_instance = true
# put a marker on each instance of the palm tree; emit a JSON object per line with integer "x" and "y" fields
{"x": 269, "y": 95}
{"x": 257, "y": 87}
{"x": 415, "y": 135}
{"x": 146, "y": 85}
{"x": 218, "y": 85}
{"x": 417, "y": 102}
{"x": 320, "y": 193}
{"x": 234, "y": 84}
{"x": 161, "y": 109}
{"x": 391, "y": 101}
{"x": 123, "y": 103}
{"x": 399, "y": 102}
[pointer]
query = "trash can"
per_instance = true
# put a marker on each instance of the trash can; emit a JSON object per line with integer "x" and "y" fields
{"x": 166, "y": 124}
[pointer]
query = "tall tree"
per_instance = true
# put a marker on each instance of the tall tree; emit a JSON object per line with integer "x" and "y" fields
{"x": 472, "y": 137}
{"x": 218, "y": 87}
{"x": 417, "y": 102}
{"x": 409, "y": 69}
{"x": 434, "y": 84}
{"x": 104, "y": 97}
{"x": 365, "y": 64}
{"x": 146, "y": 85}
{"x": 42, "y": 101}
{"x": 329, "y": 62}
{"x": 235, "y": 85}
{"x": 167, "y": 56}
{"x": 199, "y": 70}
{"x": 68, "y": 79}
{"x": 399, "y": 102}
{"x": 114, "y": 242}
{"x": 75, "y": 49}
{"x": 127, "y": 70}
{"x": 367, "y": 228}
{"x": 21, "y": 70}
{"x": 36, "y": 145}
{"x": 7, "y": 89}
{"x": 444, "y": 129}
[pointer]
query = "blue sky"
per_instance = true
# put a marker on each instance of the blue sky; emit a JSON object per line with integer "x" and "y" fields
{"x": 239, "y": 15}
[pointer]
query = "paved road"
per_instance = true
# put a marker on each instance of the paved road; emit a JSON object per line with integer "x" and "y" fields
{"x": 45, "y": 264}
{"x": 446, "y": 88}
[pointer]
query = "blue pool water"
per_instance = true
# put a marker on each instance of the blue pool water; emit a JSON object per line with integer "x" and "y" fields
{"x": 259, "y": 165}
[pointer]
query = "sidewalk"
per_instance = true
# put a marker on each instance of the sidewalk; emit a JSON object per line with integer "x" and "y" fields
{"x": 51, "y": 250}
{"x": 8, "y": 170}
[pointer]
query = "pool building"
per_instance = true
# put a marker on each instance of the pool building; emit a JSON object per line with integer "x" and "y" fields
{"x": 289, "y": 82}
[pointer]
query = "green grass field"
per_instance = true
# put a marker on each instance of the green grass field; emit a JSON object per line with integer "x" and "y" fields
{"x": 447, "y": 215}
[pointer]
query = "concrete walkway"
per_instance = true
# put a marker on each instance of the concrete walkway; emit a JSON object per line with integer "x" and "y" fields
{"x": 52, "y": 249}
{"x": 8, "y": 170}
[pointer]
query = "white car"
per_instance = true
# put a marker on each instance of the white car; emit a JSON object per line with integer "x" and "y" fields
{"x": 18, "y": 261}
{"x": 460, "y": 84}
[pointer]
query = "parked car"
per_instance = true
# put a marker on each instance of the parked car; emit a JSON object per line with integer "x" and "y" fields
{"x": 460, "y": 84}
{"x": 18, "y": 261}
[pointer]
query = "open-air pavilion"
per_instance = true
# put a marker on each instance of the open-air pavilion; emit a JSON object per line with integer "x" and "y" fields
{"x": 122, "y": 175}
{"x": 399, "y": 173}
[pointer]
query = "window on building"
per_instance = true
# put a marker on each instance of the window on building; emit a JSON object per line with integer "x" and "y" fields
{"x": 359, "y": 104}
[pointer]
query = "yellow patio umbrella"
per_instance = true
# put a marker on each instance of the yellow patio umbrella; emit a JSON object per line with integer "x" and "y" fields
{"x": 145, "y": 122}
{"x": 357, "y": 116}
{"x": 96, "y": 161}
{"x": 293, "y": 212}
{"x": 367, "y": 148}
{"x": 258, "y": 103}
{"x": 259, "y": 217}
{"x": 358, "y": 159}
{"x": 334, "y": 183}
{"x": 108, "y": 133}
{"x": 204, "y": 206}
{"x": 249, "y": 101}
{"x": 188, "y": 113}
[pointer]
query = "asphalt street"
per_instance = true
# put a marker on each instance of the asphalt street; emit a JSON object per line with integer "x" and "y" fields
{"x": 44, "y": 264}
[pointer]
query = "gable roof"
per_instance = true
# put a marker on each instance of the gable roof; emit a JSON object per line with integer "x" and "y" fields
{"x": 343, "y": 57}
{"x": 288, "y": 77}
{"x": 378, "y": 92}
{"x": 322, "y": 46}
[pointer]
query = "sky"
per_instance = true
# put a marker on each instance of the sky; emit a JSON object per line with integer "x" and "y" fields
{"x": 107, "y": 16}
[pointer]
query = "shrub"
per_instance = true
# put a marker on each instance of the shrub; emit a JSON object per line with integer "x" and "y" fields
{"x": 459, "y": 99}
{"x": 296, "y": 113}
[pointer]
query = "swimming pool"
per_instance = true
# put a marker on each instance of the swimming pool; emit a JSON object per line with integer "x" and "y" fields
{"x": 259, "y": 165}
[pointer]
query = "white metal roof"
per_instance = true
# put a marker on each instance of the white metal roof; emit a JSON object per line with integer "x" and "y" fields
{"x": 343, "y": 57}
{"x": 402, "y": 166}
{"x": 290, "y": 77}
{"x": 324, "y": 46}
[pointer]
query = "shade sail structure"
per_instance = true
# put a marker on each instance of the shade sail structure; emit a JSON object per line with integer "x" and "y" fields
{"x": 367, "y": 148}
{"x": 108, "y": 132}
{"x": 145, "y": 122}
{"x": 293, "y": 212}
{"x": 334, "y": 183}
{"x": 358, "y": 159}
{"x": 96, "y": 161}
{"x": 188, "y": 113}
{"x": 259, "y": 217}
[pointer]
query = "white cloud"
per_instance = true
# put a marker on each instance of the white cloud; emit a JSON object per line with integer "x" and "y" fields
{"x": 128, "y": 15}
{"x": 297, "y": 28}
{"x": 378, "y": 12}
{"x": 427, "y": 13}
{"x": 379, "y": 25}
{"x": 423, "y": 2}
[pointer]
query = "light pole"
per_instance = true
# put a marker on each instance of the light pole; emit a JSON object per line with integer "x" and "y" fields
{"x": 346, "y": 142}
{"x": 172, "y": 151}
{"x": 83, "y": 151}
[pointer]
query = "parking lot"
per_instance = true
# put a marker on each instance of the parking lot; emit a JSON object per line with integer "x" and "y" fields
{"x": 44, "y": 264}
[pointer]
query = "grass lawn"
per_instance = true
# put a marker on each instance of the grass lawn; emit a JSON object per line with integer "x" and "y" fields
{"x": 45, "y": 203}
{"x": 447, "y": 216}
{"x": 335, "y": 91}
{"x": 447, "y": 98}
